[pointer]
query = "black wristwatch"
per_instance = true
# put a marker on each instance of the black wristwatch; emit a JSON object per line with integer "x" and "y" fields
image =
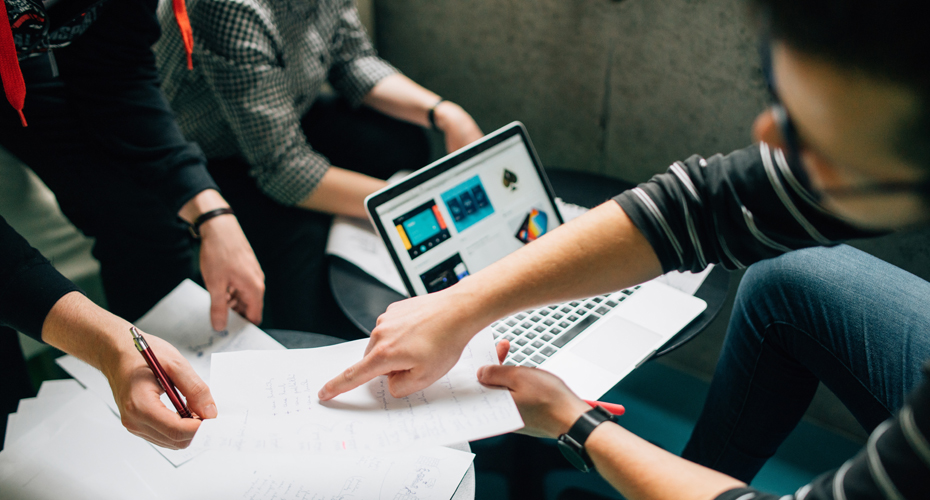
{"x": 571, "y": 444}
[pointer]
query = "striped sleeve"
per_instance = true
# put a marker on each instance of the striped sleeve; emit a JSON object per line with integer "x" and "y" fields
{"x": 732, "y": 210}
{"x": 894, "y": 465}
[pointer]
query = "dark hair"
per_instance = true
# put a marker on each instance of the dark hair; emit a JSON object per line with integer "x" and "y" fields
{"x": 884, "y": 38}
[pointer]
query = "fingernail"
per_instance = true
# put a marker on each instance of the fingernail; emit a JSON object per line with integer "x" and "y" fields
{"x": 210, "y": 411}
{"x": 322, "y": 395}
{"x": 481, "y": 372}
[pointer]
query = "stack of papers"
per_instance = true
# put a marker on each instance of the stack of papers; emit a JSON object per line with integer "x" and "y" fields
{"x": 68, "y": 442}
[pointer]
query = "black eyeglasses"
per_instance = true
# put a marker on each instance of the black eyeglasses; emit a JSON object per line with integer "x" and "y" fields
{"x": 792, "y": 144}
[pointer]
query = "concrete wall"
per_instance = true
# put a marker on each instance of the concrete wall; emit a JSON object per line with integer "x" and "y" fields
{"x": 617, "y": 88}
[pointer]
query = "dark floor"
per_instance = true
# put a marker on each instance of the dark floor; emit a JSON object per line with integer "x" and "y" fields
{"x": 662, "y": 405}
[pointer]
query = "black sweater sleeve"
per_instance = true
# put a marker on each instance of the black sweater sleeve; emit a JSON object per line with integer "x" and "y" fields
{"x": 894, "y": 464}
{"x": 731, "y": 210}
{"x": 29, "y": 285}
{"x": 111, "y": 74}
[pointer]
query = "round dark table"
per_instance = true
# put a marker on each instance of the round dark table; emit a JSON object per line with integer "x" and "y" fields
{"x": 363, "y": 298}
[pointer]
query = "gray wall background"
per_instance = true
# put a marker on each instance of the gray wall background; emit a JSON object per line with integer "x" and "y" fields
{"x": 617, "y": 88}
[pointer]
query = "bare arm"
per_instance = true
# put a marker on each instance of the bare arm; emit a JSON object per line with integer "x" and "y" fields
{"x": 418, "y": 340}
{"x": 230, "y": 269}
{"x": 636, "y": 468}
{"x": 81, "y": 328}
{"x": 404, "y": 99}
{"x": 342, "y": 191}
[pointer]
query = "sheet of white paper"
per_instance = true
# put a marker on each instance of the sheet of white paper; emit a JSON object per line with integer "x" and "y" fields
{"x": 81, "y": 452}
{"x": 78, "y": 452}
{"x": 269, "y": 404}
{"x": 183, "y": 319}
{"x": 12, "y": 434}
{"x": 52, "y": 388}
{"x": 433, "y": 473}
{"x": 356, "y": 241}
{"x": 32, "y": 411}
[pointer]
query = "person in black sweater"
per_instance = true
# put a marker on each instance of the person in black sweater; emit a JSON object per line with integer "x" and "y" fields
{"x": 37, "y": 300}
{"x": 843, "y": 153}
{"x": 87, "y": 115}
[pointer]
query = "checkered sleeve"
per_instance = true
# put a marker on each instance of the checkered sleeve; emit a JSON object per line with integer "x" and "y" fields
{"x": 240, "y": 62}
{"x": 356, "y": 68}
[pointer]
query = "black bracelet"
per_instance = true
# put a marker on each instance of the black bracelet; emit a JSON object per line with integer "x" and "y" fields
{"x": 431, "y": 114}
{"x": 204, "y": 217}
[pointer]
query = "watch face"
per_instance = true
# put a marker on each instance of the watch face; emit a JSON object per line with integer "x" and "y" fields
{"x": 572, "y": 455}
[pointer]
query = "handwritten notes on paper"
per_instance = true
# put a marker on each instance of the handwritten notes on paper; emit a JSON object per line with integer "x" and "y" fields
{"x": 268, "y": 403}
{"x": 77, "y": 450}
{"x": 183, "y": 319}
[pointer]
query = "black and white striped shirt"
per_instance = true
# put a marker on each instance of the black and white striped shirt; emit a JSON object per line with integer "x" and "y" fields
{"x": 258, "y": 67}
{"x": 748, "y": 206}
{"x": 731, "y": 210}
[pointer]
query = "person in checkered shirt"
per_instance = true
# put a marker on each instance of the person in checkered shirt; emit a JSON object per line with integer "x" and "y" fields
{"x": 286, "y": 152}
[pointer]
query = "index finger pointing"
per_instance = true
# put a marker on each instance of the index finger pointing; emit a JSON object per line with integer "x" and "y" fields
{"x": 368, "y": 368}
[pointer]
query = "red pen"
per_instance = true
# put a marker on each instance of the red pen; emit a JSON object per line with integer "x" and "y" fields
{"x": 160, "y": 374}
{"x": 612, "y": 408}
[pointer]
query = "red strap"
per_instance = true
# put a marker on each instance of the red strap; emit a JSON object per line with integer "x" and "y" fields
{"x": 187, "y": 34}
{"x": 13, "y": 84}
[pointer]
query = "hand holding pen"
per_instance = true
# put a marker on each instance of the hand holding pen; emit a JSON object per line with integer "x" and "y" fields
{"x": 163, "y": 380}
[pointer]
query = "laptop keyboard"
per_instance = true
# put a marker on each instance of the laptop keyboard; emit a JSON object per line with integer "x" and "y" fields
{"x": 535, "y": 335}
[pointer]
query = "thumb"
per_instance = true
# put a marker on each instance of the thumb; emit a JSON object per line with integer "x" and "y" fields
{"x": 194, "y": 389}
{"x": 503, "y": 347}
{"x": 497, "y": 375}
{"x": 218, "y": 307}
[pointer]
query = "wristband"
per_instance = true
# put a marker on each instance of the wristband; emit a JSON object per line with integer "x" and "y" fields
{"x": 431, "y": 114}
{"x": 204, "y": 217}
{"x": 571, "y": 444}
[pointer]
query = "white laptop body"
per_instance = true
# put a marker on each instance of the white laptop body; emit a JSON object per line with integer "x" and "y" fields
{"x": 471, "y": 208}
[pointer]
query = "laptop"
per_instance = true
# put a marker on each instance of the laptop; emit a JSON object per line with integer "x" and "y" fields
{"x": 473, "y": 207}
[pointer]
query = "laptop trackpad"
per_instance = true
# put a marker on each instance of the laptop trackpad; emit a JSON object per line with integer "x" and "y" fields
{"x": 617, "y": 345}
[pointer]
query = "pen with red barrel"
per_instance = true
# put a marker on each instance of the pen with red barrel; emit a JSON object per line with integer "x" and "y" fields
{"x": 612, "y": 408}
{"x": 160, "y": 374}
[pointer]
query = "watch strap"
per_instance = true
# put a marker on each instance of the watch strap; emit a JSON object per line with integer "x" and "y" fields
{"x": 579, "y": 432}
{"x": 431, "y": 114}
{"x": 204, "y": 217}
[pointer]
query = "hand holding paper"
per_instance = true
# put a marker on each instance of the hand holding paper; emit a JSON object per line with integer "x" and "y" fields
{"x": 272, "y": 405}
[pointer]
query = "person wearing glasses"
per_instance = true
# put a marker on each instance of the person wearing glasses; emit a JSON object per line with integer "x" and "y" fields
{"x": 843, "y": 153}
{"x": 286, "y": 152}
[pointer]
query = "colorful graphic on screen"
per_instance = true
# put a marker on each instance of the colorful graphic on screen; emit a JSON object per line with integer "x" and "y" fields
{"x": 445, "y": 274}
{"x": 533, "y": 226}
{"x": 467, "y": 203}
{"x": 421, "y": 229}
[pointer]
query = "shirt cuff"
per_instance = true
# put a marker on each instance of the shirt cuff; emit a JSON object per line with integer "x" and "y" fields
{"x": 295, "y": 180}
{"x": 355, "y": 79}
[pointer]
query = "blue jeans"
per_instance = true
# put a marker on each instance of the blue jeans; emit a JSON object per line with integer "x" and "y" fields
{"x": 833, "y": 315}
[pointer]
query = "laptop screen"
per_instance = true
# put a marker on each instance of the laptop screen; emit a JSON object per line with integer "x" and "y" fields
{"x": 466, "y": 211}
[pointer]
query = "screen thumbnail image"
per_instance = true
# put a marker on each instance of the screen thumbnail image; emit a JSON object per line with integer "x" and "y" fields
{"x": 445, "y": 274}
{"x": 467, "y": 203}
{"x": 534, "y": 225}
{"x": 421, "y": 229}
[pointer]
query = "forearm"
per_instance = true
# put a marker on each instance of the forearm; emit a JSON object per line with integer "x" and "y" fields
{"x": 640, "y": 470}
{"x": 342, "y": 192}
{"x": 402, "y": 98}
{"x": 79, "y": 327}
{"x": 599, "y": 252}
